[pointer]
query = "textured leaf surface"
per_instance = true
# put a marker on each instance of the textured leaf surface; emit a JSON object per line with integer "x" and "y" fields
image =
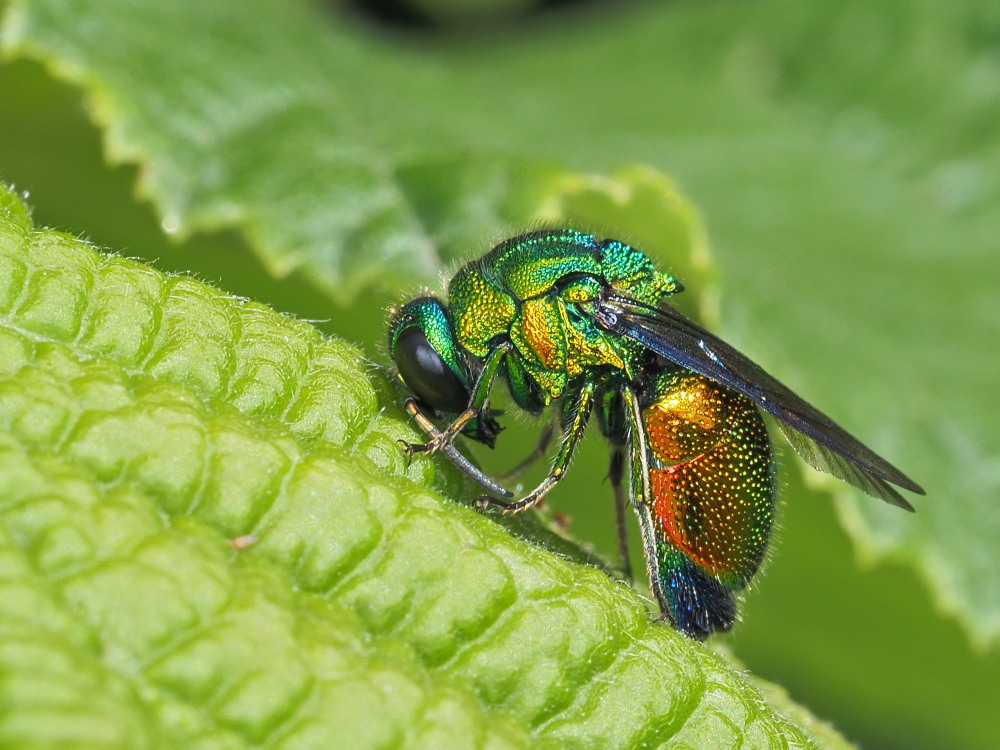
{"x": 844, "y": 153}
{"x": 334, "y": 152}
{"x": 146, "y": 421}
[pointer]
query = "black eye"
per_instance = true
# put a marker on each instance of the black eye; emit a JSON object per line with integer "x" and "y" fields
{"x": 427, "y": 375}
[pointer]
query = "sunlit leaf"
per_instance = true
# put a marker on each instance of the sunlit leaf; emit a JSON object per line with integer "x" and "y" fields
{"x": 210, "y": 540}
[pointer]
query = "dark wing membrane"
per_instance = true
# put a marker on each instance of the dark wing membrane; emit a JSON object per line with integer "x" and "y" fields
{"x": 821, "y": 442}
{"x": 820, "y": 457}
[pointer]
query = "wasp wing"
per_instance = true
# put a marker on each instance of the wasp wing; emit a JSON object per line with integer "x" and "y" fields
{"x": 817, "y": 438}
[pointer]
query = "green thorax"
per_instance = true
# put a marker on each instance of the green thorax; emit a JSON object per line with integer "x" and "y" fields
{"x": 534, "y": 289}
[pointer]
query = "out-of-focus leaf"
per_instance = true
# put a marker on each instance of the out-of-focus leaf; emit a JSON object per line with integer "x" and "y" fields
{"x": 248, "y": 128}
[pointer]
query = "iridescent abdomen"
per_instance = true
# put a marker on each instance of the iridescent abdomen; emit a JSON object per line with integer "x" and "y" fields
{"x": 712, "y": 493}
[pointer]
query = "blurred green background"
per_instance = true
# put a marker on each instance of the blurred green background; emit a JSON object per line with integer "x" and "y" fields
{"x": 844, "y": 157}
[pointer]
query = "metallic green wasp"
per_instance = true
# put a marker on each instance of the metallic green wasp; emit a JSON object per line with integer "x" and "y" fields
{"x": 582, "y": 324}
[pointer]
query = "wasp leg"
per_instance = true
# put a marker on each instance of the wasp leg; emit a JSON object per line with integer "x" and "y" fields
{"x": 450, "y": 451}
{"x": 539, "y": 451}
{"x": 615, "y": 473}
{"x": 439, "y": 439}
{"x": 640, "y": 489}
{"x": 572, "y": 431}
{"x": 443, "y": 440}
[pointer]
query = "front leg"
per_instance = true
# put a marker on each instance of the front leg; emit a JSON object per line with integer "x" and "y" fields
{"x": 450, "y": 451}
{"x": 443, "y": 440}
{"x": 477, "y": 401}
{"x": 438, "y": 439}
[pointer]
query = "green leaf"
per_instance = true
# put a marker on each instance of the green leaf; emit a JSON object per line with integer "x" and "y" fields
{"x": 210, "y": 539}
{"x": 843, "y": 153}
{"x": 222, "y": 132}
{"x": 305, "y": 132}
{"x": 359, "y": 213}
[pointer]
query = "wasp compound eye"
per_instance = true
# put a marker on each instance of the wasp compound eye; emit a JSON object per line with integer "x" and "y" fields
{"x": 428, "y": 359}
{"x": 426, "y": 373}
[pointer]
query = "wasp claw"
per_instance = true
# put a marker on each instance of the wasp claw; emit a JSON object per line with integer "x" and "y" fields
{"x": 408, "y": 450}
